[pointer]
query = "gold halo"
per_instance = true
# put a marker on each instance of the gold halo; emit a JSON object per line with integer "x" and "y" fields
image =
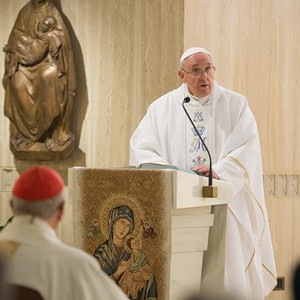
{"x": 111, "y": 204}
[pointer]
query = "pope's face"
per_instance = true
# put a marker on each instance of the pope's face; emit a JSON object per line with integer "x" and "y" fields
{"x": 121, "y": 228}
{"x": 199, "y": 85}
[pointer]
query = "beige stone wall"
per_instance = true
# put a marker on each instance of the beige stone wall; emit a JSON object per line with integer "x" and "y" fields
{"x": 126, "y": 55}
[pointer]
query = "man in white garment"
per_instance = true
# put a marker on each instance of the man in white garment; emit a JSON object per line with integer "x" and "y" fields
{"x": 37, "y": 259}
{"x": 228, "y": 128}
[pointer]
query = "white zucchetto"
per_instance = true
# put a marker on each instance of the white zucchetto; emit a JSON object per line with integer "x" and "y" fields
{"x": 191, "y": 51}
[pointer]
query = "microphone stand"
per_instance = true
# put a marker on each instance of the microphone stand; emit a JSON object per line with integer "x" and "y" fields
{"x": 208, "y": 191}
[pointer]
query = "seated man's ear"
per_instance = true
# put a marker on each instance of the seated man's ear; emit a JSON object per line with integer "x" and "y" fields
{"x": 61, "y": 210}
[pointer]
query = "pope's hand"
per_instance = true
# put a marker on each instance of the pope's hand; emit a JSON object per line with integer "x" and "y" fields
{"x": 204, "y": 169}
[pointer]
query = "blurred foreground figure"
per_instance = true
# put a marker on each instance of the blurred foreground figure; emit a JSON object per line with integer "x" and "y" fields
{"x": 296, "y": 283}
{"x": 3, "y": 284}
{"x": 36, "y": 258}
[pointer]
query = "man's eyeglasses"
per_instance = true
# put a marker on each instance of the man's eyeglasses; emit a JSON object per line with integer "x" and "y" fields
{"x": 198, "y": 72}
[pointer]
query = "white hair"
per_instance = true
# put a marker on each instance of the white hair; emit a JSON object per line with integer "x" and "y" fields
{"x": 43, "y": 209}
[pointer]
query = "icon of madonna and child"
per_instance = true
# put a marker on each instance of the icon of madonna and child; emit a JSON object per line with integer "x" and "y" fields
{"x": 122, "y": 258}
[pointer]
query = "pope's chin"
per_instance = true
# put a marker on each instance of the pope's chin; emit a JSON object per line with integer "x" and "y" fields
{"x": 203, "y": 91}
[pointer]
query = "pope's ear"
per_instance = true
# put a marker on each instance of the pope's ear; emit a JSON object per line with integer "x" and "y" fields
{"x": 181, "y": 76}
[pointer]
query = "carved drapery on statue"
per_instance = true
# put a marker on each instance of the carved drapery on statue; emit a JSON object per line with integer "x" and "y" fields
{"x": 40, "y": 84}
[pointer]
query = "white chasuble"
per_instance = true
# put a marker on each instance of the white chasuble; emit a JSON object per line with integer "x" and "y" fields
{"x": 164, "y": 136}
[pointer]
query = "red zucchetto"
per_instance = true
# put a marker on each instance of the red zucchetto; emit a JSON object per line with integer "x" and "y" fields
{"x": 38, "y": 183}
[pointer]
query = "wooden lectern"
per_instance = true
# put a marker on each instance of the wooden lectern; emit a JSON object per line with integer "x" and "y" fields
{"x": 174, "y": 239}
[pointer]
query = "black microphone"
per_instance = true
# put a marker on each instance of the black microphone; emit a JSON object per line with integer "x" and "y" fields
{"x": 210, "y": 178}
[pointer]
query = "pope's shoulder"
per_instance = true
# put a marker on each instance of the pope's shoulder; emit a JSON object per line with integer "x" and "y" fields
{"x": 175, "y": 95}
{"x": 232, "y": 95}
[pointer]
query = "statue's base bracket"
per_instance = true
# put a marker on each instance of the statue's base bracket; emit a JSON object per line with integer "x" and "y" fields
{"x": 43, "y": 151}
